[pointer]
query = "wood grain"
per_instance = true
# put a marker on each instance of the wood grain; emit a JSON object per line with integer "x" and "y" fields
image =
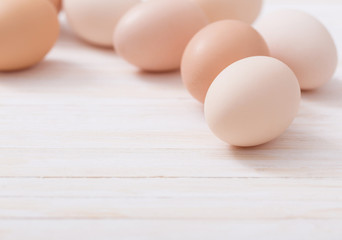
{"x": 91, "y": 148}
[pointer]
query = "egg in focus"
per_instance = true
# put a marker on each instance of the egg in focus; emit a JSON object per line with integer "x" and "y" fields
{"x": 303, "y": 43}
{"x": 253, "y": 101}
{"x": 28, "y": 30}
{"x": 213, "y": 49}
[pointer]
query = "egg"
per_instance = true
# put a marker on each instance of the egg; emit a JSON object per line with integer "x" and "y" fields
{"x": 244, "y": 10}
{"x": 28, "y": 30}
{"x": 95, "y": 21}
{"x": 154, "y": 34}
{"x": 303, "y": 43}
{"x": 253, "y": 101}
{"x": 213, "y": 49}
{"x": 57, "y": 4}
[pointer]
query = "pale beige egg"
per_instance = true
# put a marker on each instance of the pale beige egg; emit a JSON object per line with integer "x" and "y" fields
{"x": 28, "y": 30}
{"x": 154, "y": 34}
{"x": 244, "y": 10}
{"x": 252, "y": 101}
{"x": 213, "y": 49}
{"x": 95, "y": 20}
{"x": 303, "y": 43}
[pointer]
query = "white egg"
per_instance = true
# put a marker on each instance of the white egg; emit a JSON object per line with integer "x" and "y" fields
{"x": 95, "y": 21}
{"x": 303, "y": 43}
{"x": 243, "y": 10}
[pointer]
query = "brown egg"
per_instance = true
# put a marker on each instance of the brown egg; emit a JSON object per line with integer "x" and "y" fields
{"x": 244, "y": 10}
{"x": 213, "y": 49}
{"x": 57, "y": 4}
{"x": 28, "y": 30}
{"x": 153, "y": 35}
{"x": 252, "y": 101}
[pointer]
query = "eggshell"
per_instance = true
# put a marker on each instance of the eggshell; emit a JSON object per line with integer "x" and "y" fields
{"x": 28, "y": 30}
{"x": 57, "y": 4}
{"x": 244, "y": 10}
{"x": 303, "y": 43}
{"x": 252, "y": 101}
{"x": 154, "y": 34}
{"x": 95, "y": 21}
{"x": 213, "y": 49}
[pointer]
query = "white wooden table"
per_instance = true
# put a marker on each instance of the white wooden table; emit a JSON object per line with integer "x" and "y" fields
{"x": 90, "y": 148}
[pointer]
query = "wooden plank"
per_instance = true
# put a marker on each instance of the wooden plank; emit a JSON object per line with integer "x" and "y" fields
{"x": 82, "y": 162}
{"x": 274, "y": 189}
{"x": 211, "y": 199}
{"x": 167, "y": 208}
{"x": 170, "y": 230}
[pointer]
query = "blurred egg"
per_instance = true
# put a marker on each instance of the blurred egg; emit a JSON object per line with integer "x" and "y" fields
{"x": 154, "y": 34}
{"x": 252, "y": 101}
{"x": 213, "y": 49}
{"x": 28, "y": 30}
{"x": 244, "y": 10}
{"x": 303, "y": 43}
{"x": 95, "y": 21}
{"x": 57, "y": 4}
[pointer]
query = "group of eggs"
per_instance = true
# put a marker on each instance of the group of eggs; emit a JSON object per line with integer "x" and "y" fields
{"x": 249, "y": 79}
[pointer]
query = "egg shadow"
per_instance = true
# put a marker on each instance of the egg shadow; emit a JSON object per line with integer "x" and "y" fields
{"x": 161, "y": 81}
{"x": 171, "y": 79}
{"x": 297, "y": 153}
{"x": 38, "y": 77}
{"x": 45, "y": 67}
